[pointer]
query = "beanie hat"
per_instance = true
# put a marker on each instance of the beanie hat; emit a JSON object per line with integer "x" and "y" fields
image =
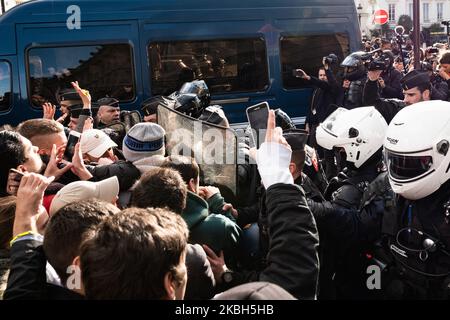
{"x": 144, "y": 140}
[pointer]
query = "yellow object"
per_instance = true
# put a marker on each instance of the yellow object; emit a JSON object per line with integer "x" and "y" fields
{"x": 23, "y": 234}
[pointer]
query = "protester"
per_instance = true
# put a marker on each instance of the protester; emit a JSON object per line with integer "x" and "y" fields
{"x": 115, "y": 261}
{"x": 167, "y": 189}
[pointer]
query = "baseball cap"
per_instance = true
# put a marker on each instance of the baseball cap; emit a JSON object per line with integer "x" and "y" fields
{"x": 95, "y": 143}
{"x": 106, "y": 190}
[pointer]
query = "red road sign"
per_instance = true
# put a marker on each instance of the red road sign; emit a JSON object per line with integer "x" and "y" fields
{"x": 380, "y": 16}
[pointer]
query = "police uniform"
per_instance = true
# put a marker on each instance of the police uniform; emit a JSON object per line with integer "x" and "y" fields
{"x": 414, "y": 79}
{"x": 413, "y": 251}
{"x": 389, "y": 107}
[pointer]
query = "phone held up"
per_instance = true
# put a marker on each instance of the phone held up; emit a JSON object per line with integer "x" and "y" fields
{"x": 257, "y": 116}
{"x": 72, "y": 141}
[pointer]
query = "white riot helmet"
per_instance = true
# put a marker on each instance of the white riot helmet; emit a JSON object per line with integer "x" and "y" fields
{"x": 417, "y": 149}
{"x": 359, "y": 131}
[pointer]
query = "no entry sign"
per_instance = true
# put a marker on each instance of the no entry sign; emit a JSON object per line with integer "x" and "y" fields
{"x": 380, "y": 16}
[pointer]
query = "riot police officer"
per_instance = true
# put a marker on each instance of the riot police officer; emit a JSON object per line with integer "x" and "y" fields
{"x": 355, "y": 75}
{"x": 415, "y": 244}
{"x": 359, "y": 134}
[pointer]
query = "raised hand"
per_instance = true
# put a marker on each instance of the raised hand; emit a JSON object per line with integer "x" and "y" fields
{"x": 208, "y": 192}
{"x": 29, "y": 203}
{"x": 49, "y": 111}
{"x": 84, "y": 95}
{"x": 52, "y": 166}
{"x": 275, "y": 134}
{"x": 78, "y": 167}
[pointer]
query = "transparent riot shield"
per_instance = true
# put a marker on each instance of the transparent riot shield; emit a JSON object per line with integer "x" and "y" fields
{"x": 213, "y": 147}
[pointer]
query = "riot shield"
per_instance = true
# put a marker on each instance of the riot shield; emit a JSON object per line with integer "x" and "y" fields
{"x": 213, "y": 147}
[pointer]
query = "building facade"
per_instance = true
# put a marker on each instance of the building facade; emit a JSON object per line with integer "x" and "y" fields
{"x": 431, "y": 11}
{"x": 11, "y": 3}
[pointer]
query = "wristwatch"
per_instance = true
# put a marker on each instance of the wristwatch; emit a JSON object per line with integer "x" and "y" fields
{"x": 227, "y": 276}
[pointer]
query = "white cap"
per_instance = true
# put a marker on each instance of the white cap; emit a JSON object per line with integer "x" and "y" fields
{"x": 95, "y": 143}
{"x": 106, "y": 190}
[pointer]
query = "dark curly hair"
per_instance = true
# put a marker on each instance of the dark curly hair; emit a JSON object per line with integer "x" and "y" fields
{"x": 12, "y": 154}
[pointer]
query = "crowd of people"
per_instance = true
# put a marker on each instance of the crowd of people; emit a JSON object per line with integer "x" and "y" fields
{"x": 93, "y": 205}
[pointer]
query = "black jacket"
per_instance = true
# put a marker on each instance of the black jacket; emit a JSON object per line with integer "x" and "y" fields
{"x": 338, "y": 224}
{"x": 439, "y": 88}
{"x": 201, "y": 283}
{"x": 323, "y": 99}
{"x": 387, "y": 108}
{"x": 393, "y": 88}
{"x": 415, "y": 274}
{"x": 292, "y": 260}
{"x": 27, "y": 277}
{"x": 125, "y": 171}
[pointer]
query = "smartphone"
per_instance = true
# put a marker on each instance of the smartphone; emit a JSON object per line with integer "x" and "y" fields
{"x": 16, "y": 176}
{"x": 257, "y": 116}
{"x": 73, "y": 139}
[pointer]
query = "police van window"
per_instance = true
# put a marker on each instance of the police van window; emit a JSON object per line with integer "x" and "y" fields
{"x": 306, "y": 52}
{"x": 104, "y": 70}
{"x": 5, "y": 86}
{"x": 238, "y": 65}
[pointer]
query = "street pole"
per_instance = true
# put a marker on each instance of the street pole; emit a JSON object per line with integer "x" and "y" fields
{"x": 3, "y": 6}
{"x": 416, "y": 18}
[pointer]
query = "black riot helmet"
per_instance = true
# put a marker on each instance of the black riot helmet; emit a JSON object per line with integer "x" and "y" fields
{"x": 354, "y": 65}
{"x": 189, "y": 104}
{"x": 388, "y": 58}
{"x": 200, "y": 89}
{"x": 283, "y": 121}
{"x": 150, "y": 106}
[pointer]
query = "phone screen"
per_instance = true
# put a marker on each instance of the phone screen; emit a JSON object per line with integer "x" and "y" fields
{"x": 257, "y": 117}
{"x": 73, "y": 139}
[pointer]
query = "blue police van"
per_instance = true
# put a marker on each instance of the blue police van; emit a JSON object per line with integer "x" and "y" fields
{"x": 245, "y": 50}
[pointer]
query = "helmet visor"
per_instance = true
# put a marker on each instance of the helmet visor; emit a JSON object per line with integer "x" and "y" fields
{"x": 350, "y": 61}
{"x": 407, "y": 167}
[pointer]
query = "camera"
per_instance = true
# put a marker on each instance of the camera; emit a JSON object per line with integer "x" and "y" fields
{"x": 376, "y": 65}
{"x": 446, "y": 23}
{"x": 331, "y": 59}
